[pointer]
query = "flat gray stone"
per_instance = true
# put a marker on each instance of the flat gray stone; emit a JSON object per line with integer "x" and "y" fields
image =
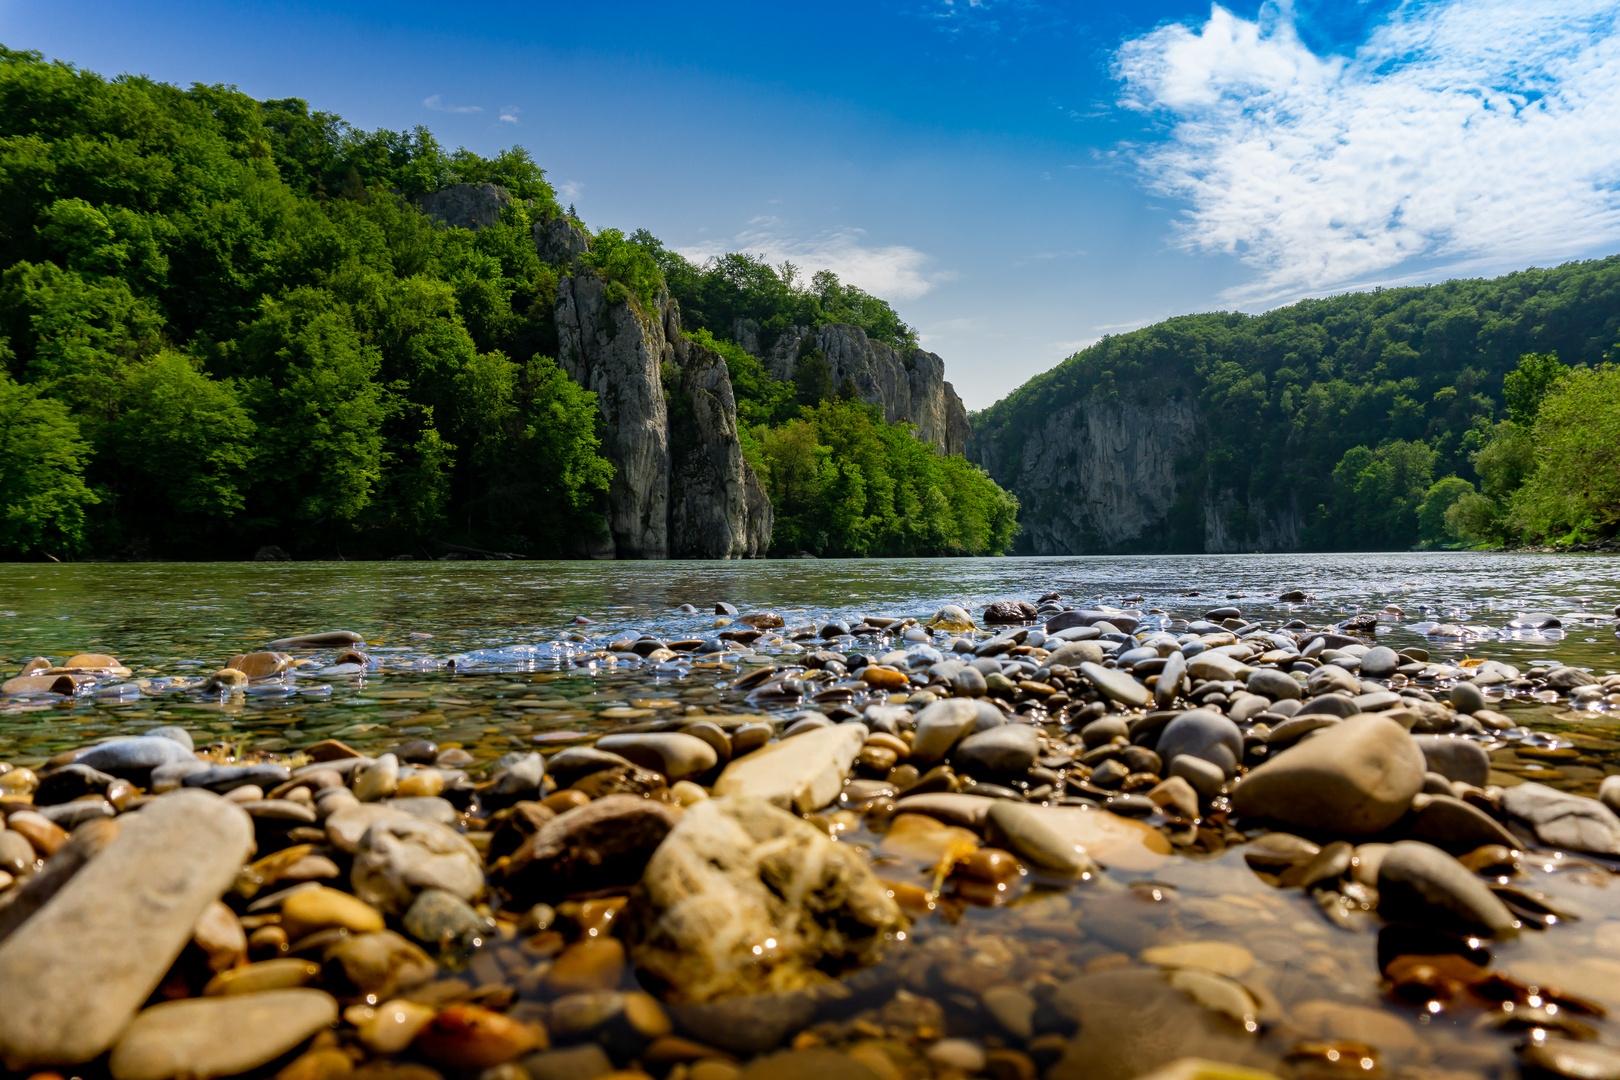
{"x": 806, "y": 772}
{"x": 940, "y": 726}
{"x": 1170, "y": 680}
{"x": 117, "y": 927}
{"x": 1355, "y": 777}
{"x": 1006, "y": 748}
{"x": 1116, "y": 685}
{"x": 134, "y": 758}
{"x": 1276, "y": 685}
{"x": 1564, "y": 820}
{"x": 1380, "y": 662}
{"x": 676, "y": 756}
{"x": 1203, "y": 733}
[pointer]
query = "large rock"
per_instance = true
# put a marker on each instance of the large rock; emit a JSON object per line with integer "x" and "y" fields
{"x": 803, "y": 773}
{"x": 1065, "y": 839}
{"x": 717, "y": 507}
{"x": 602, "y": 844}
{"x": 116, "y": 927}
{"x": 465, "y": 206}
{"x": 1355, "y": 777}
{"x": 1455, "y": 759}
{"x": 1564, "y": 820}
{"x": 207, "y": 1037}
{"x": 737, "y": 874}
{"x": 908, "y": 384}
{"x": 940, "y": 726}
{"x": 135, "y": 757}
{"x": 1002, "y": 750}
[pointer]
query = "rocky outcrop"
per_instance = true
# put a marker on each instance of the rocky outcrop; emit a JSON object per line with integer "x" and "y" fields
{"x": 1096, "y": 475}
{"x": 681, "y": 488}
{"x": 465, "y": 206}
{"x": 907, "y": 384}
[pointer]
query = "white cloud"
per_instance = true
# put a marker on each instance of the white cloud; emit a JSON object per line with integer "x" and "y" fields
{"x": 436, "y": 103}
{"x": 570, "y": 190}
{"x": 1462, "y": 132}
{"x": 894, "y": 272}
{"x": 509, "y": 113}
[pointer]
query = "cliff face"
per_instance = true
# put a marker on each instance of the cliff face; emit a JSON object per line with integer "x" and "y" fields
{"x": 907, "y": 384}
{"x": 1102, "y": 475}
{"x": 681, "y": 488}
{"x": 465, "y": 206}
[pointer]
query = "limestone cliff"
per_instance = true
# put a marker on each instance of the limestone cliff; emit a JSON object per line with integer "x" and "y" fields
{"x": 1117, "y": 473}
{"x": 681, "y": 488}
{"x": 907, "y": 384}
{"x": 465, "y": 206}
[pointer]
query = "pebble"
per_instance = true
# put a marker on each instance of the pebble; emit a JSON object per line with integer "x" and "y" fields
{"x": 676, "y": 756}
{"x": 1013, "y": 1008}
{"x": 1009, "y": 748}
{"x": 282, "y": 973}
{"x": 1356, "y": 777}
{"x": 588, "y": 964}
{"x": 378, "y": 780}
{"x": 1454, "y": 758}
{"x": 134, "y": 758}
{"x": 1418, "y": 883}
{"x": 1203, "y": 734}
{"x": 201, "y": 1038}
{"x": 1467, "y": 697}
{"x": 1564, "y": 820}
{"x": 604, "y": 844}
{"x": 117, "y": 927}
{"x": 1116, "y": 685}
{"x": 379, "y": 965}
{"x": 1275, "y": 685}
{"x": 1220, "y": 957}
{"x": 399, "y": 857}
{"x": 320, "y": 908}
{"x": 804, "y": 774}
{"x": 445, "y": 922}
{"x": 393, "y": 1026}
{"x": 471, "y": 1037}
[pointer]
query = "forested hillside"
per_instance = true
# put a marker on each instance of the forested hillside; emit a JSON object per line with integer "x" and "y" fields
{"x": 1323, "y": 425}
{"x": 225, "y": 323}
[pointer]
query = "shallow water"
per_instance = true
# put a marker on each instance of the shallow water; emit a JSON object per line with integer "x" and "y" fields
{"x": 490, "y": 656}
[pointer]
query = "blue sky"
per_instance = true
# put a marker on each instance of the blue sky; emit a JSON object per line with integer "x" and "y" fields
{"x": 1017, "y": 178}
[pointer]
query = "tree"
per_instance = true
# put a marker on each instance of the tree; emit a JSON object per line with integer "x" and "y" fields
{"x": 1527, "y": 386}
{"x": 1574, "y": 492}
{"x": 42, "y": 491}
{"x": 1437, "y": 502}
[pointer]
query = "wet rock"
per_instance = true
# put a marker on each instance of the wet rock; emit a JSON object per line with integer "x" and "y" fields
{"x": 1013, "y": 1008}
{"x": 379, "y": 965}
{"x": 70, "y": 782}
{"x": 1564, "y": 820}
{"x": 1355, "y": 777}
{"x": 134, "y": 758}
{"x": 346, "y": 825}
{"x": 603, "y": 844}
{"x": 804, "y": 773}
{"x": 280, "y": 974}
{"x": 1066, "y": 840}
{"x": 676, "y": 756}
{"x": 473, "y": 1038}
{"x": 220, "y": 1036}
{"x": 1332, "y": 679}
{"x": 1564, "y": 679}
{"x": 1568, "y": 1058}
{"x": 1133, "y": 1021}
{"x": 325, "y": 640}
{"x": 117, "y": 927}
{"x": 570, "y": 765}
{"x": 1071, "y": 654}
{"x": 445, "y": 922}
{"x": 1116, "y": 685}
{"x": 951, "y": 619}
{"x": 1010, "y": 611}
{"x": 1206, "y": 777}
{"x": 1458, "y": 827}
{"x": 224, "y": 778}
{"x": 378, "y": 780}
{"x": 1009, "y": 748}
{"x": 1204, "y": 734}
{"x": 399, "y": 857}
{"x": 590, "y": 964}
{"x": 737, "y": 873}
{"x": 1420, "y": 884}
{"x": 1456, "y": 759}
{"x": 320, "y": 908}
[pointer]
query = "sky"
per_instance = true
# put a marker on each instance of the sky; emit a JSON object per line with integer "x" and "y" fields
{"x": 1017, "y": 178}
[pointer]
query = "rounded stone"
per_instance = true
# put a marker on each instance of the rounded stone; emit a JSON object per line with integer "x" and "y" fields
{"x": 1355, "y": 777}
{"x": 320, "y": 908}
{"x": 1466, "y": 697}
{"x": 1380, "y": 662}
{"x": 1418, "y": 883}
{"x": 676, "y": 756}
{"x": 1204, "y": 734}
{"x": 1275, "y": 685}
{"x": 1005, "y": 749}
{"x": 377, "y": 780}
{"x": 400, "y": 856}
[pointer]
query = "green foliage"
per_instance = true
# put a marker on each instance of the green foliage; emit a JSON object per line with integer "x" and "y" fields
{"x": 1437, "y": 503}
{"x": 1527, "y": 386}
{"x": 1377, "y": 493}
{"x": 42, "y": 491}
{"x": 1574, "y": 493}
{"x": 761, "y": 399}
{"x": 846, "y": 484}
{"x": 229, "y": 326}
{"x": 629, "y": 268}
{"x": 1287, "y": 395}
{"x": 729, "y": 288}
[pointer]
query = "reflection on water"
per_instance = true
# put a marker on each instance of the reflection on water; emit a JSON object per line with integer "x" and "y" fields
{"x": 1205, "y": 947}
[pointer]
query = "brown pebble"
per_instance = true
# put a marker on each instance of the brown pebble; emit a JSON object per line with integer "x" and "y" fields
{"x": 220, "y": 936}
{"x": 267, "y": 939}
{"x": 327, "y": 1063}
{"x": 470, "y": 1037}
{"x": 560, "y": 802}
{"x": 38, "y": 830}
{"x": 279, "y": 974}
{"x": 331, "y": 750}
{"x": 990, "y": 865}
{"x": 591, "y": 964}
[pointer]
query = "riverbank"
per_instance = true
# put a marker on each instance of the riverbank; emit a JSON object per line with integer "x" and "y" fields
{"x": 1089, "y": 840}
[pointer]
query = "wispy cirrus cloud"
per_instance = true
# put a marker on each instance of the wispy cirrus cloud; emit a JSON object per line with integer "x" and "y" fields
{"x": 436, "y": 103}
{"x": 894, "y": 271}
{"x": 1461, "y": 132}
